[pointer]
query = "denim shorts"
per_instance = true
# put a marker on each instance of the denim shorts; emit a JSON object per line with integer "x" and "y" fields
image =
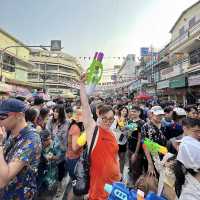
{"x": 70, "y": 166}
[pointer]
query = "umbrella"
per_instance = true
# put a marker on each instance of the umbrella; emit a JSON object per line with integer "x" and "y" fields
{"x": 143, "y": 96}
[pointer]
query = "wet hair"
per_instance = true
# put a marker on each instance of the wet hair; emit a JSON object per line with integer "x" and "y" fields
{"x": 31, "y": 115}
{"x": 61, "y": 113}
{"x": 105, "y": 109}
{"x": 180, "y": 172}
{"x": 44, "y": 112}
{"x": 190, "y": 122}
{"x": 38, "y": 101}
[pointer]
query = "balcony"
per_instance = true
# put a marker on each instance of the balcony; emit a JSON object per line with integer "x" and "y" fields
{"x": 188, "y": 35}
{"x": 195, "y": 29}
{"x": 179, "y": 40}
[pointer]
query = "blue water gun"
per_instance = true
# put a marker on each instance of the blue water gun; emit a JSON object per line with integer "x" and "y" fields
{"x": 119, "y": 191}
{"x": 131, "y": 126}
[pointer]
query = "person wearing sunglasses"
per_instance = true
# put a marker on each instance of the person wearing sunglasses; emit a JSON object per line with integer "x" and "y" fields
{"x": 19, "y": 153}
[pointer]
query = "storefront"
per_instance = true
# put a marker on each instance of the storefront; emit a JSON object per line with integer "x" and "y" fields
{"x": 162, "y": 90}
{"x": 178, "y": 89}
{"x": 193, "y": 95}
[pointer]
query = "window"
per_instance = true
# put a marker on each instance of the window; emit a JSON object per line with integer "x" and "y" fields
{"x": 8, "y": 59}
{"x": 191, "y": 22}
{"x": 32, "y": 76}
{"x": 8, "y": 68}
{"x": 51, "y": 67}
{"x": 195, "y": 57}
{"x": 182, "y": 31}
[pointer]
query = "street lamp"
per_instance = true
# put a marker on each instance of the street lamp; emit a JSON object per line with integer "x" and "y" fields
{"x": 17, "y": 46}
{"x": 55, "y": 46}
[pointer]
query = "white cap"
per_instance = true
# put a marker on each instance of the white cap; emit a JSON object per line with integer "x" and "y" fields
{"x": 188, "y": 153}
{"x": 180, "y": 111}
{"x": 157, "y": 110}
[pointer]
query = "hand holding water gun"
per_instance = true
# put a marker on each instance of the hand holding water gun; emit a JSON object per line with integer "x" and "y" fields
{"x": 94, "y": 73}
{"x": 154, "y": 147}
{"x": 118, "y": 191}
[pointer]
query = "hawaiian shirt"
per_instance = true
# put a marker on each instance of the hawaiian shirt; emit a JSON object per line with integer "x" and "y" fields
{"x": 49, "y": 173}
{"x": 27, "y": 148}
{"x": 152, "y": 132}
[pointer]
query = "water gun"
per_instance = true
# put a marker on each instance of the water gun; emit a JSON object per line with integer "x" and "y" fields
{"x": 94, "y": 73}
{"x": 131, "y": 126}
{"x": 81, "y": 141}
{"x": 119, "y": 191}
{"x": 154, "y": 147}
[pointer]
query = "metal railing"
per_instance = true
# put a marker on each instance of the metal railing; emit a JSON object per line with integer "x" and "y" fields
{"x": 187, "y": 34}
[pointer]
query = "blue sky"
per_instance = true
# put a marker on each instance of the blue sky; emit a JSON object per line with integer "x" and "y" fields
{"x": 117, "y": 27}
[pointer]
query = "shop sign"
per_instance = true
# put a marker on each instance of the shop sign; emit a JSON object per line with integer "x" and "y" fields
{"x": 194, "y": 80}
{"x": 163, "y": 84}
{"x": 177, "y": 83}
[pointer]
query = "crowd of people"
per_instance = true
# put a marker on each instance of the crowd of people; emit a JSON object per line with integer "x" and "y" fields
{"x": 38, "y": 146}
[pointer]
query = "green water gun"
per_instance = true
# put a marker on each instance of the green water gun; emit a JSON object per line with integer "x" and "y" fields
{"x": 154, "y": 147}
{"x": 94, "y": 72}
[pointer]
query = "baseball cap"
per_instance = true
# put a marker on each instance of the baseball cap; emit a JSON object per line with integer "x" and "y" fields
{"x": 157, "y": 110}
{"x": 180, "y": 111}
{"x": 12, "y": 105}
{"x": 188, "y": 153}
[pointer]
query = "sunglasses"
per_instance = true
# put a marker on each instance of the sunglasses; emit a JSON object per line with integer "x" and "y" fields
{"x": 3, "y": 116}
{"x": 6, "y": 115}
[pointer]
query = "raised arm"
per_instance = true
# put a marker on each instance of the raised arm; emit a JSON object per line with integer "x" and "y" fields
{"x": 88, "y": 120}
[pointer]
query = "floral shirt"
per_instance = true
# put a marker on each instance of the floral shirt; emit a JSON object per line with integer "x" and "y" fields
{"x": 27, "y": 148}
{"x": 152, "y": 132}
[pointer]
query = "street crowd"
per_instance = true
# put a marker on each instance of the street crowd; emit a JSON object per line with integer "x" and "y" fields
{"x": 38, "y": 146}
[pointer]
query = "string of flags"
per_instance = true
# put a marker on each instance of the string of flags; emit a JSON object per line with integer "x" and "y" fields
{"x": 89, "y": 58}
{"x": 109, "y": 86}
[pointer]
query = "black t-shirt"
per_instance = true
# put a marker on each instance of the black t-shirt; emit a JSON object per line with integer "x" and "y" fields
{"x": 133, "y": 135}
{"x": 149, "y": 130}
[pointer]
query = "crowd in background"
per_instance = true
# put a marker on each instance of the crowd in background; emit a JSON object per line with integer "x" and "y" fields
{"x": 53, "y": 129}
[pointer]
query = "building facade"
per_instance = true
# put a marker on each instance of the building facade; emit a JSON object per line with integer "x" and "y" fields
{"x": 127, "y": 71}
{"x": 174, "y": 74}
{"x": 14, "y": 64}
{"x": 180, "y": 74}
{"x": 53, "y": 70}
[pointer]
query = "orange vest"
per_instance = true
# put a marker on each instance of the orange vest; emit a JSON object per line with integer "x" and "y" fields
{"x": 104, "y": 165}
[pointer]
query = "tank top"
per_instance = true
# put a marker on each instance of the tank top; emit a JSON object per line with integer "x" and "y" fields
{"x": 104, "y": 165}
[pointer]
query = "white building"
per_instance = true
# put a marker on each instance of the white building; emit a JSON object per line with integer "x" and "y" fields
{"x": 53, "y": 70}
{"x": 128, "y": 68}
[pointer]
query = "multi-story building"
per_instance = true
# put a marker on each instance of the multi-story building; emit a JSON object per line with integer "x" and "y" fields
{"x": 180, "y": 77}
{"x": 127, "y": 71}
{"x": 53, "y": 70}
{"x": 15, "y": 65}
